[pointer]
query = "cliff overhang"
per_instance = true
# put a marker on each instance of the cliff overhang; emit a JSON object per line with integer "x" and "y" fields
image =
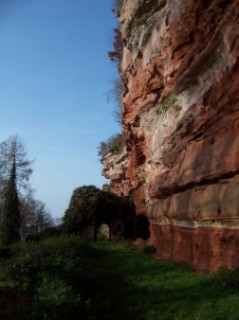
{"x": 180, "y": 106}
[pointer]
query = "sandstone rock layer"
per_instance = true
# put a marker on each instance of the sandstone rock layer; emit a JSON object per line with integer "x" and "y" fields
{"x": 180, "y": 105}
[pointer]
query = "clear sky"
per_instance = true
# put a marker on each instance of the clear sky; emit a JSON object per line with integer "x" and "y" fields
{"x": 54, "y": 77}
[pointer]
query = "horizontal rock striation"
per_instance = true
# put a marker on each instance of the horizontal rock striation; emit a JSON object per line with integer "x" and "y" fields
{"x": 180, "y": 104}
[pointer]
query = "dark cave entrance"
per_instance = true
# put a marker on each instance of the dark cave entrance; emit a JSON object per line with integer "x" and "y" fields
{"x": 142, "y": 227}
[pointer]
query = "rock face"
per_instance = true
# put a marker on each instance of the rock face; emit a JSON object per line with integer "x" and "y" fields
{"x": 180, "y": 104}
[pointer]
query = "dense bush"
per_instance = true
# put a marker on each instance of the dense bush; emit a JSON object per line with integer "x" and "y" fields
{"x": 82, "y": 209}
{"x": 91, "y": 207}
{"x": 44, "y": 281}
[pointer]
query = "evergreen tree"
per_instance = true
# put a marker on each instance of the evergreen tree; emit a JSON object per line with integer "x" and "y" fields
{"x": 10, "y": 224}
{"x": 15, "y": 170}
{"x": 13, "y": 151}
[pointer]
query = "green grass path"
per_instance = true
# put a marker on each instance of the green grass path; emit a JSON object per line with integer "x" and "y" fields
{"x": 131, "y": 285}
{"x": 67, "y": 279}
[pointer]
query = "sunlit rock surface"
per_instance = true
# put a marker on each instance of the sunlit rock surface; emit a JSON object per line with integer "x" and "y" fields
{"x": 180, "y": 73}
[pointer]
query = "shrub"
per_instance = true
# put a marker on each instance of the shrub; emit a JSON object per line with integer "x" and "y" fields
{"x": 114, "y": 144}
{"x": 88, "y": 206}
{"x": 57, "y": 300}
{"x": 45, "y": 280}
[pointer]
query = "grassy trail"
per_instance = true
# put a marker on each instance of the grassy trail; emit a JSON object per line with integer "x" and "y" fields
{"x": 68, "y": 279}
{"x": 136, "y": 286}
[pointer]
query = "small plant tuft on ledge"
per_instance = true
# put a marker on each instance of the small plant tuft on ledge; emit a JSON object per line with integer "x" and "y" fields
{"x": 114, "y": 144}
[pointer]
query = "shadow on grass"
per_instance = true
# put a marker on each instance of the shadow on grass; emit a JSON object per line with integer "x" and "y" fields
{"x": 67, "y": 279}
{"x": 111, "y": 294}
{"x": 128, "y": 285}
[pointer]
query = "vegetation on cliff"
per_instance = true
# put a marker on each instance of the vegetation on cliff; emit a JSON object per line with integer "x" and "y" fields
{"x": 117, "y": 4}
{"x": 115, "y": 55}
{"x": 114, "y": 144}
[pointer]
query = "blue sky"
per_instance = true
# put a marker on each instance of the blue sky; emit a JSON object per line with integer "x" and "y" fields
{"x": 54, "y": 77}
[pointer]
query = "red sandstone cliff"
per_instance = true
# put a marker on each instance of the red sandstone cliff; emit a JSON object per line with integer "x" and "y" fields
{"x": 180, "y": 104}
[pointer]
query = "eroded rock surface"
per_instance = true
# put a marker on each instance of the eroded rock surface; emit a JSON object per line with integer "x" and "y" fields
{"x": 180, "y": 74}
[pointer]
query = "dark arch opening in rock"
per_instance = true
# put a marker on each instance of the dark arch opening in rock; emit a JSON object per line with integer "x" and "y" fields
{"x": 129, "y": 230}
{"x": 142, "y": 227}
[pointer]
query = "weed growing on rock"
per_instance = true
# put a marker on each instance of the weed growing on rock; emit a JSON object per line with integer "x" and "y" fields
{"x": 114, "y": 144}
{"x": 166, "y": 105}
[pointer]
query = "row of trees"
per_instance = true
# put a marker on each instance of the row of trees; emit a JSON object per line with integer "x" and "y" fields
{"x": 20, "y": 214}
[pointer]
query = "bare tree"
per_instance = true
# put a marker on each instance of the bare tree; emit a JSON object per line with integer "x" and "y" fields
{"x": 34, "y": 216}
{"x": 114, "y": 96}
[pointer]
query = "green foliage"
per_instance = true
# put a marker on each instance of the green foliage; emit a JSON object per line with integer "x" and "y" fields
{"x": 49, "y": 277}
{"x": 10, "y": 224}
{"x": 15, "y": 171}
{"x": 90, "y": 207}
{"x": 114, "y": 144}
{"x": 156, "y": 290}
{"x": 81, "y": 212}
{"x": 12, "y": 151}
{"x": 228, "y": 277}
{"x": 53, "y": 295}
{"x": 117, "y": 147}
{"x": 149, "y": 249}
{"x": 65, "y": 278}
